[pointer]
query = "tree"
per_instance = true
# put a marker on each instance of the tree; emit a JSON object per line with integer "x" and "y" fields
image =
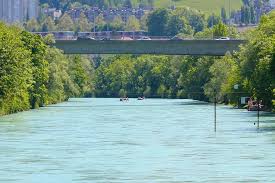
{"x": 252, "y": 15}
{"x": 195, "y": 18}
{"x": 247, "y": 15}
{"x": 157, "y": 22}
{"x": 60, "y": 85}
{"x": 143, "y": 22}
{"x": 99, "y": 22}
{"x": 220, "y": 30}
{"x": 37, "y": 48}
{"x": 117, "y": 24}
{"x": 83, "y": 23}
{"x": 32, "y": 25}
{"x": 178, "y": 25}
{"x": 223, "y": 15}
{"x": 257, "y": 63}
{"x": 15, "y": 71}
{"x": 48, "y": 25}
{"x": 213, "y": 20}
{"x": 66, "y": 23}
{"x": 80, "y": 72}
{"x": 220, "y": 72}
{"x": 132, "y": 24}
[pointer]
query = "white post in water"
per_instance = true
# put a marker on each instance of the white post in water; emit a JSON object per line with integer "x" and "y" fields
{"x": 258, "y": 114}
{"x": 215, "y": 113}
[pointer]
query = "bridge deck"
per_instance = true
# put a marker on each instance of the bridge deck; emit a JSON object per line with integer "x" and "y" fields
{"x": 162, "y": 47}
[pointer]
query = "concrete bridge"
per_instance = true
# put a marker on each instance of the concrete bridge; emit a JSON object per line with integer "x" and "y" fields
{"x": 159, "y": 47}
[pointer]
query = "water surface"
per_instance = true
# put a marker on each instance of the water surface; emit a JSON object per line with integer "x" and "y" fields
{"x": 149, "y": 141}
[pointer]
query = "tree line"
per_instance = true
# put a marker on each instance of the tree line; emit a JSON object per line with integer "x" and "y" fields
{"x": 32, "y": 74}
{"x": 252, "y": 69}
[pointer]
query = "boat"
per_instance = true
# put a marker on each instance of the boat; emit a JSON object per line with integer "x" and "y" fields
{"x": 141, "y": 98}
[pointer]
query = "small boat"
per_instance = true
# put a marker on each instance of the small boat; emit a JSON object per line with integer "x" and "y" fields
{"x": 141, "y": 98}
{"x": 124, "y": 99}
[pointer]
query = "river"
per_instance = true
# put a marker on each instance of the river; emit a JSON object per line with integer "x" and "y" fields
{"x": 149, "y": 141}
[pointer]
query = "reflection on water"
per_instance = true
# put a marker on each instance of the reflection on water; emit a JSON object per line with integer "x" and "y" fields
{"x": 162, "y": 141}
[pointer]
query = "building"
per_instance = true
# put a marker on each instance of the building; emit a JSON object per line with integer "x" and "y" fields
{"x": 272, "y": 3}
{"x": 31, "y": 9}
{"x": 52, "y": 12}
{"x": 18, "y": 10}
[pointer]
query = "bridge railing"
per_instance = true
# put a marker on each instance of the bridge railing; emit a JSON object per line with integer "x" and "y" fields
{"x": 70, "y": 35}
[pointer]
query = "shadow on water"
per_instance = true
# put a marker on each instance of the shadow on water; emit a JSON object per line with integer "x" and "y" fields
{"x": 193, "y": 103}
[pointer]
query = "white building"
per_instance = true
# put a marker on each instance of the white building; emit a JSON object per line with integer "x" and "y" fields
{"x": 18, "y": 10}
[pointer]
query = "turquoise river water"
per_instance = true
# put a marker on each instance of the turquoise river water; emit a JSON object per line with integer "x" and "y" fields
{"x": 149, "y": 141}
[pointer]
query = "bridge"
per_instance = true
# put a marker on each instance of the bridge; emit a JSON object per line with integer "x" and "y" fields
{"x": 159, "y": 47}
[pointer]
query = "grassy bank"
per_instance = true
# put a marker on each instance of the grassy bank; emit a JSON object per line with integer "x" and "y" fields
{"x": 207, "y": 6}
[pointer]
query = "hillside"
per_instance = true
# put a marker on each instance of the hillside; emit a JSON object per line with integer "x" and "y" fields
{"x": 203, "y": 5}
{"x": 206, "y": 6}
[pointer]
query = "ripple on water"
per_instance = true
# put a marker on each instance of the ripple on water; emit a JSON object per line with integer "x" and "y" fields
{"x": 154, "y": 140}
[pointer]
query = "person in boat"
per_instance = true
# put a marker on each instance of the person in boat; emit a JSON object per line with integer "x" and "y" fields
{"x": 141, "y": 98}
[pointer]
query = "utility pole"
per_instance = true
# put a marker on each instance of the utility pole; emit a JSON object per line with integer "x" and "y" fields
{"x": 258, "y": 114}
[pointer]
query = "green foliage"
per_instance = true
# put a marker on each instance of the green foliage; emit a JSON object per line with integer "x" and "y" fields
{"x": 213, "y": 20}
{"x": 157, "y": 22}
{"x": 152, "y": 76}
{"x": 15, "y": 71}
{"x": 48, "y": 25}
{"x": 252, "y": 69}
{"x": 257, "y": 60}
{"x": 37, "y": 48}
{"x": 83, "y": 24}
{"x": 117, "y": 24}
{"x": 33, "y": 75}
{"x": 81, "y": 72}
{"x": 220, "y": 30}
{"x": 66, "y": 23}
{"x": 217, "y": 31}
{"x": 177, "y": 25}
{"x": 162, "y": 22}
{"x": 32, "y": 25}
{"x": 132, "y": 24}
{"x": 99, "y": 22}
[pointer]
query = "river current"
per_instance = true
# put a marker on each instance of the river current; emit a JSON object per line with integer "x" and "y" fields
{"x": 148, "y": 141}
